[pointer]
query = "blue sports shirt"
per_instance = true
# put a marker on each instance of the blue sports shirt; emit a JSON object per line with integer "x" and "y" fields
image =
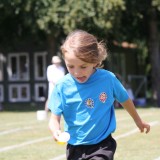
{"x": 88, "y": 108}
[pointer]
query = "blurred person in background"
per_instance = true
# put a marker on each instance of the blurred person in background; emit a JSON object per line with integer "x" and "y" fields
{"x": 55, "y": 71}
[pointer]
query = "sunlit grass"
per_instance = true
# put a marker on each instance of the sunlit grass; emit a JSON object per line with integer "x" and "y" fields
{"x": 18, "y": 128}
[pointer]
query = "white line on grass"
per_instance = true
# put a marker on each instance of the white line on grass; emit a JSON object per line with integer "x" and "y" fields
{"x": 134, "y": 131}
{"x": 24, "y": 144}
{"x": 21, "y": 122}
{"x": 14, "y": 130}
{"x": 157, "y": 158}
{"x": 127, "y": 117}
{"x": 117, "y": 137}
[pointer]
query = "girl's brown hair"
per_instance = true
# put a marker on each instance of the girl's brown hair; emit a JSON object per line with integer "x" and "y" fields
{"x": 85, "y": 47}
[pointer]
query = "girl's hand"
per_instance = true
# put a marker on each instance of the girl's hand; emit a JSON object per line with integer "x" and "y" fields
{"x": 56, "y": 134}
{"x": 143, "y": 126}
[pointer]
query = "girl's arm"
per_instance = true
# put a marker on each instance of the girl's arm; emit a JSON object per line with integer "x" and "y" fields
{"x": 129, "y": 106}
{"x": 54, "y": 125}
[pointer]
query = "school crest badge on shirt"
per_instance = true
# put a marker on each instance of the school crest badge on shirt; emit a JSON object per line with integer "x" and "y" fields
{"x": 89, "y": 103}
{"x": 103, "y": 97}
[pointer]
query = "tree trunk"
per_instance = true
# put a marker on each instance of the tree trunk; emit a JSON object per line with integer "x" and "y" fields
{"x": 51, "y": 44}
{"x": 53, "y": 39}
{"x": 154, "y": 51}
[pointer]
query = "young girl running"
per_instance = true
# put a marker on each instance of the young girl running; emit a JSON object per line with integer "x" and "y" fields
{"x": 85, "y": 98}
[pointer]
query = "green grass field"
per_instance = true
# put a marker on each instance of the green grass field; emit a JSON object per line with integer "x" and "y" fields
{"x": 23, "y": 137}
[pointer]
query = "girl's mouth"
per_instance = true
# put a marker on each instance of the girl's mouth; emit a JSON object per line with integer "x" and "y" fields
{"x": 81, "y": 79}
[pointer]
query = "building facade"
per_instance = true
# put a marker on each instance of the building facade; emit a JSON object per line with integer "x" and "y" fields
{"x": 23, "y": 74}
{"x": 23, "y": 77}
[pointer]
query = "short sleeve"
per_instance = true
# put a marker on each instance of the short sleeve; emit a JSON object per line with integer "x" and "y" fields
{"x": 120, "y": 93}
{"x": 55, "y": 102}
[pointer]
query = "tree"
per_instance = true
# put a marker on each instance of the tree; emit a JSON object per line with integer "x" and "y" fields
{"x": 17, "y": 24}
{"x": 154, "y": 47}
{"x": 140, "y": 21}
{"x": 132, "y": 21}
{"x": 56, "y": 18}
{"x": 62, "y": 16}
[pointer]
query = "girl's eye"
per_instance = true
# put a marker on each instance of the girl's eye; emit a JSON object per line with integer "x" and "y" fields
{"x": 70, "y": 66}
{"x": 83, "y": 67}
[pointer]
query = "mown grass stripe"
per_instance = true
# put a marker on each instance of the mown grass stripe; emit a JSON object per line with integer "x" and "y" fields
{"x": 24, "y": 144}
{"x": 59, "y": 157}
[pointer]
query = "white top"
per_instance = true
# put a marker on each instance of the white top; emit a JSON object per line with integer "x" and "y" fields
{"x": 54, "y": 73}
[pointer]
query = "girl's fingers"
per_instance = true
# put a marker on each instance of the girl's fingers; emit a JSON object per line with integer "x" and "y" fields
{"x": 147, "y": 128}
{"x": 56, "y": 134}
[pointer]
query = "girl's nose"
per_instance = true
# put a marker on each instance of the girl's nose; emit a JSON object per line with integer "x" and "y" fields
{"x": 77, "y": 72}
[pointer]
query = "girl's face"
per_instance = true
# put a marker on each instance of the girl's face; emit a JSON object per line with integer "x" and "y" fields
{"x": 79, "y": 69}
